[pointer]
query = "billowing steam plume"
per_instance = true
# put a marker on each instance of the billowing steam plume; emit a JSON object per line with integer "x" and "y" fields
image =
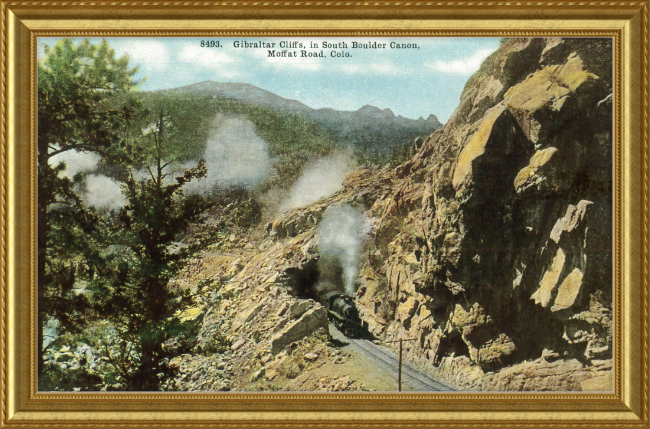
{"x": 319, "y": 180}
{"x": 104, "y": 193}
{"x": 75, "y": 162}
{"x": 341, "y": 234}
{"x": 98, "y": 190}
{"x": 235, "y": 155}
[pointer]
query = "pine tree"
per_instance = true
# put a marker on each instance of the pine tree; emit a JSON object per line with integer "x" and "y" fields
{"x": 137, "y": 298}
{"x": 75, "y": 88}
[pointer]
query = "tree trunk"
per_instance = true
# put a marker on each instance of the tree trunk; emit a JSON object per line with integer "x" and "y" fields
{"x": 146, "y": 378}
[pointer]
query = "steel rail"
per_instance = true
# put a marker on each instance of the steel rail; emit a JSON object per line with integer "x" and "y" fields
{"x": 392, "y": 362}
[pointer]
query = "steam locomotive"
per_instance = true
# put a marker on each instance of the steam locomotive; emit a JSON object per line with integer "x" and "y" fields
{"x": 342, "y": 311}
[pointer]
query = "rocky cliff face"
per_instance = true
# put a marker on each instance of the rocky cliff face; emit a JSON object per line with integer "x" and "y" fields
{"x": 492, "y": 246}
{"x": 496, "y": 247}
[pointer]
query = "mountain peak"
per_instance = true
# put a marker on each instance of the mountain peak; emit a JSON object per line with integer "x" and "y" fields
{"x": 433, "y": 121}
{"x": 376, "y": 111}
{"x": 245, "y": 92}
{"x": 368, "y": 108}
{"x": 334, "y": 119}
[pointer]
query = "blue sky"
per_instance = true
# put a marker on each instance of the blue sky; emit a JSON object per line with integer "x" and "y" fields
{"x": 411, "y": 82}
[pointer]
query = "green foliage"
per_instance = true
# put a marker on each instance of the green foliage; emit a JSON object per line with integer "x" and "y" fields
{"x": 134, "y": 292}
{"x": 181, "y": 335}
{"x": 193, "y": 117}
{"x": 293, "y": 139}
{"x": 66, "y": 380}
{"x": 86, "y": 104}
{"x": 75, "y": 84}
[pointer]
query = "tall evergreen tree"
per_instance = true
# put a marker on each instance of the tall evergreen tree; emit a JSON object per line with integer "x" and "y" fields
{"x": 75, "y": 86}
{"x": 137, "y": 298}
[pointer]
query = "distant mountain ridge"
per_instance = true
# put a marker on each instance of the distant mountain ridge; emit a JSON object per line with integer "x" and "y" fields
{"x": 253, "y": 94}
{"x": 243, "y": 92}
{"x": 366, "y": 126}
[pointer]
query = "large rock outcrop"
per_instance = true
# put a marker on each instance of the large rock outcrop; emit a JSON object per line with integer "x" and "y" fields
{"x": 495, "y": 246}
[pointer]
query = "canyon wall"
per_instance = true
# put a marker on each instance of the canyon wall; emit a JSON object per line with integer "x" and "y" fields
{"x": 495, "y": 248}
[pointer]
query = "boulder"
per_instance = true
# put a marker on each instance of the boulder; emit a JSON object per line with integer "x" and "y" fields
{"x": 247, "y": 315}
{"x": 568, "y": 290}
{"x": 477, "y": 144}
{"x": 550, "y": 86}
{"x": 406, "y": 311}
{"x": 237, "y": 345}
{"x": 298, "y": 308}
{"x": 495, "y": 351}
{"x": 466, "y": 320}
{"x": 573, "y": 217}
{"x": 531, "y": 174}
{"x": 543, "y": 295}
{"x": 257, "y": 375}
{"x": 314, "y": 319}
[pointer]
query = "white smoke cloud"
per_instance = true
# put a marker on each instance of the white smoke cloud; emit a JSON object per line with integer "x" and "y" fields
{"x": 103, "y": 193}
{"x": 319, "y": 180}
{"x": 75, "y": 162}
{"x": 99, "y": 191}
{"x": 341, "y": 235}
{"x": 234, "y": 155}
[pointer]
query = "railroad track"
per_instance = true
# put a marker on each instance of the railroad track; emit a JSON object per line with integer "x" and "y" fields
{"x": 409, "y": 374}
{"x": 385, "y": 358}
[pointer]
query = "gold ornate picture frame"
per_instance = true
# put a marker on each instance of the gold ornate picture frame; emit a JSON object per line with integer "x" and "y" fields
{"x": 626, "y": 22}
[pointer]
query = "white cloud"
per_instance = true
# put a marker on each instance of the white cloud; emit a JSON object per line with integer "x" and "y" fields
{"x": 464, "y": 66}
{"x": 215, "y": 59}
{"x": 152, "y": 53}
{"x": 234, "y": 154}
{"x": 99, "y": 191}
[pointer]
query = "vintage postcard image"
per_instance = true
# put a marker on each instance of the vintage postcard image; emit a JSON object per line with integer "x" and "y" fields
{"x": 314, "y": 214}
